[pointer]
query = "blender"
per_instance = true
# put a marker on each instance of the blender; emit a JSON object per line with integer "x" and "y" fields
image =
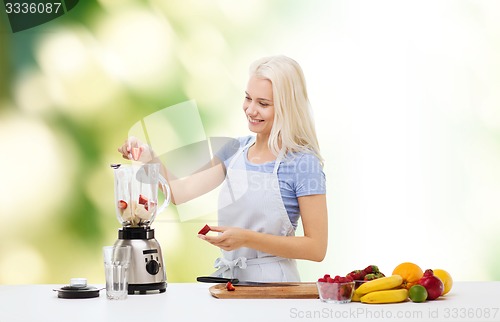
{"x": 136, "y": 204}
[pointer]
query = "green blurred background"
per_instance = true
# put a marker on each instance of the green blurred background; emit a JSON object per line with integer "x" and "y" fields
{"x": 406, "y": 102}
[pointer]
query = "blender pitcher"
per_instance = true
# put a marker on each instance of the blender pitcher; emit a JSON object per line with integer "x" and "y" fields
{"x": 136, "y": 204}
{"x": 136, "y": 193}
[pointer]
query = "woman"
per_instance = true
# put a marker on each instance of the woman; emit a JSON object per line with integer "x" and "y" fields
{"x": 274, "y": 178}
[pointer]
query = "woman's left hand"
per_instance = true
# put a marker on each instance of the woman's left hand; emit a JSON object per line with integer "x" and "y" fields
{"x": 230, "y": 238}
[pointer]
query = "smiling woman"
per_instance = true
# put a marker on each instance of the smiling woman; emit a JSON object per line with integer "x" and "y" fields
{"x": 282, "y": 85}
{"x": 270, "y": 181}
{"x": 276, "y": 167}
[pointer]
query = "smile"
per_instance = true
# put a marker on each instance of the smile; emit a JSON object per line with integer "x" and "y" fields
{"x": 254, "y": 121}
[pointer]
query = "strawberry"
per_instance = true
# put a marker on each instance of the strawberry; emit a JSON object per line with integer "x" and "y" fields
{"x": 357, "y": 275}
{"x": 345, "y": 292}
{"x": 230, "y": 287}
{"x": 204, "y": 230}
{"x": 143, "y": 199}
{"x": 379, "y": 275}
{"x": 341, "y": 292}
{"x": 136, "y": 153}
{"x": 369, "y": 277}
{"x": 151, "y": 203}
{"x": 122, "y": 204}
{"x": 371, "y": 269}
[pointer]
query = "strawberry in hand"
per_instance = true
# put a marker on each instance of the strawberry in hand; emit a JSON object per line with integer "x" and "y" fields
{"x": 136, "y": 153}
{"x": 204, "y": 230}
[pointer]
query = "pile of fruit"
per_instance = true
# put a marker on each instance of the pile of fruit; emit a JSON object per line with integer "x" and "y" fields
{"x": 407, "y": 281}
{"x": 423, "y": 285}
{"x": 369, "y": 273}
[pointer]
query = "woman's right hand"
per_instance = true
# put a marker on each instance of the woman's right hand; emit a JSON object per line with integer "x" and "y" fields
{"x": 133, "y": 149}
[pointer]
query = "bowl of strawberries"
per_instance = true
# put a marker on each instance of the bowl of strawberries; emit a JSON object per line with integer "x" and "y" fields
{"x": 338, "y": 289}
{"x": 369, "y": 273}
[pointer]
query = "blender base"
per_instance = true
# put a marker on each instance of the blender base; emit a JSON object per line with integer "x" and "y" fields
{"x": 147, "y": 288}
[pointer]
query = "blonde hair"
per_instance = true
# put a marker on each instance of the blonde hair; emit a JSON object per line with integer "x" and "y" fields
{"x": 293, "y": 125}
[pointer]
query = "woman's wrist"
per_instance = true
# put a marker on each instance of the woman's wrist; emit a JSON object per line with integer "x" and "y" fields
{"x": 250, "y": 237}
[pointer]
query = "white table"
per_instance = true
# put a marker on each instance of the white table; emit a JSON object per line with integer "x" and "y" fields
{"x": 468, "y": 301}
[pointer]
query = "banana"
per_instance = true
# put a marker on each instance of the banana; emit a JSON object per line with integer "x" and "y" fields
{"x": 387, "y": 296}
{"x": 356, "y": 297}
{"x": 380, "y": 284}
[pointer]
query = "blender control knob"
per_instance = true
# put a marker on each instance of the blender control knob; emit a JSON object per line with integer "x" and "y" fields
{"x": 152, "y": 267}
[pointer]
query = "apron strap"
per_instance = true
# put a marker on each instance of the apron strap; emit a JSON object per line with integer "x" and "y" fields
{"x": 278, "y": 161}
{"x": 237, "y": 154}
{"x": 252, "y": 141}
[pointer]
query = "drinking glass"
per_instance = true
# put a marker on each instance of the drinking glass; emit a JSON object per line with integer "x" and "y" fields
{"x": 116, "y": 263}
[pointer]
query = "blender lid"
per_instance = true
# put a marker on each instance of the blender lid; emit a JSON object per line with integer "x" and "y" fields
{"x": 78, "y": 289}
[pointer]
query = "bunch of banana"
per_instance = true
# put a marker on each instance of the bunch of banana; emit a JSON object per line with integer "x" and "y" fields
{"x": 382, "y": 290}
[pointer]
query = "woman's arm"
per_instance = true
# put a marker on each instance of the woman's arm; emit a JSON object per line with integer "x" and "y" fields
{"x": 182, "y": 189}
{"x": 196, "y": 184}
{"x": 311, "y": 246}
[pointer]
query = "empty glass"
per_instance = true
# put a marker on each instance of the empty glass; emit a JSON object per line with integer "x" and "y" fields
{"x": 116, "y": 263}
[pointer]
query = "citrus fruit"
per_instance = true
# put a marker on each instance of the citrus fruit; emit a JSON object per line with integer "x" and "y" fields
{"x": 445, "y": 277}
{"x": 418, "y": 293}
{"x": 410, "y": 273}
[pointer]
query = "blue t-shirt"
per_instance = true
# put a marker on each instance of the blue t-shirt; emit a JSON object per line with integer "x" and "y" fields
{"x": 299, "y": 174}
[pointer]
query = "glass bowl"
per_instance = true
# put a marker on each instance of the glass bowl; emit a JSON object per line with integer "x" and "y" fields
{"x": 335, "y": 292}
{"x": 358, "y": 283}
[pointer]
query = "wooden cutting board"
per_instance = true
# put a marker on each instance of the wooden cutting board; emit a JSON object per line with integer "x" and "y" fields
{"x": 295, "y": 291}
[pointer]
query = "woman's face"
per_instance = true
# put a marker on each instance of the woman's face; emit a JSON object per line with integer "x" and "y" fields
{"x": 259, "y": 105}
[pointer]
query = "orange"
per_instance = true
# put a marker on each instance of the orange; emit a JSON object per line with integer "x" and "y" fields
{"x": 410, "y": 273}
{"x": 445, "y": 277}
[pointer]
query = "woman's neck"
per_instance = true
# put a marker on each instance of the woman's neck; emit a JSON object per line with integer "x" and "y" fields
{"x": 259, "y": 152}
{"x": 261, "y": 142}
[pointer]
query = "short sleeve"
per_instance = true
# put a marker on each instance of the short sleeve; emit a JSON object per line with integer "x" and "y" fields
{"x": 225, "y": 149}
{"x": 309, "y": 176}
